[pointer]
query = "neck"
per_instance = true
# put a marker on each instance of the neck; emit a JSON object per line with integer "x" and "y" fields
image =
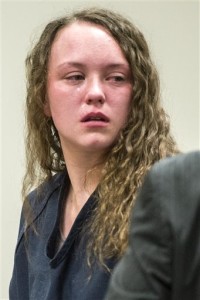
{"x": 84, "y": 170}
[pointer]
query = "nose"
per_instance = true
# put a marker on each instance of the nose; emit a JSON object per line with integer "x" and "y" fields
{"x": 95, "y": 92}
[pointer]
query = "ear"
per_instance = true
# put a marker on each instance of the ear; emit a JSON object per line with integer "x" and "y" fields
{"x": 47, "y": 109}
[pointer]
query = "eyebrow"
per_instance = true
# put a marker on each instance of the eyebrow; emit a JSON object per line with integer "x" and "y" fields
{"x": 81, "y": 65}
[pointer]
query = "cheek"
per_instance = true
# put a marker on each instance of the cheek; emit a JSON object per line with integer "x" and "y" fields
{"x": 123, "y": 105}
{"x": 60, "y": 103}
{"x": 61, "y": 111}
{"x": 128, "y": 100}
{"x": 47, "y": 110}
{"x": 123, "y": 112}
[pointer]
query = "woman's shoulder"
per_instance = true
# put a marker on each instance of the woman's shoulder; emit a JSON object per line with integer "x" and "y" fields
{"x": 47, "y": 187}
{"x": 39, "y": 197}
{"x": 37, "y": 200}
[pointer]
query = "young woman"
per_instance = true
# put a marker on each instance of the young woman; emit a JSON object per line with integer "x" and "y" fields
{"x": 94, "y": 128}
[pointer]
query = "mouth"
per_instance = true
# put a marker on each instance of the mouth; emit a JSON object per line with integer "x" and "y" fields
{"x": 95, "y": 117}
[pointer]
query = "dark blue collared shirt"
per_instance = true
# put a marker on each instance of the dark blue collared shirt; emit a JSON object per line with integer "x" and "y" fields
{"x": 41, "y": 272}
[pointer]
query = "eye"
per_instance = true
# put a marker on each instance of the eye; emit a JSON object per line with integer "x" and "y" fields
{"x": 74, "y": 78}
{"x": 116, "y": 79}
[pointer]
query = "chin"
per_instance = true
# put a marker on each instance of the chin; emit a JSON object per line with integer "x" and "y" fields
{"x": 98, "y": 145}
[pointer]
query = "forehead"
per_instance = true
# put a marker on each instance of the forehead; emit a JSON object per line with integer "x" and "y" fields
{"x": 86, "y": 39}
{"x": 81, "y": 30}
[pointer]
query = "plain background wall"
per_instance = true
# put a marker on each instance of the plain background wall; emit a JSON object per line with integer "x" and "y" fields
{"x": 171, "y": 29}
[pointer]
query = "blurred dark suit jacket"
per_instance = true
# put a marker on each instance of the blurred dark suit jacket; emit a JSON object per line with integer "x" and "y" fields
{"x": 163, "y": 258}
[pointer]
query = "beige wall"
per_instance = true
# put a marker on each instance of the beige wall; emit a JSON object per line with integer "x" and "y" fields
{"x": 171, "y": 27}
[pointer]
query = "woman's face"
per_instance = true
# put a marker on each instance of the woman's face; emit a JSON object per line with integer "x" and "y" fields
{"x": 89, "y": 88}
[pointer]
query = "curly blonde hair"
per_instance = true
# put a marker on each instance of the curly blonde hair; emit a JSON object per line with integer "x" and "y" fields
{"x": 144, "y": 140}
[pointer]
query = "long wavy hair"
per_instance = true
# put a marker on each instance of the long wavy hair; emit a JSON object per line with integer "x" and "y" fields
{"x": 145, "y": 139}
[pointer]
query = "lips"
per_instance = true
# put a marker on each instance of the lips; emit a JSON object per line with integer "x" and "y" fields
{"x": 98, "y": 117}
